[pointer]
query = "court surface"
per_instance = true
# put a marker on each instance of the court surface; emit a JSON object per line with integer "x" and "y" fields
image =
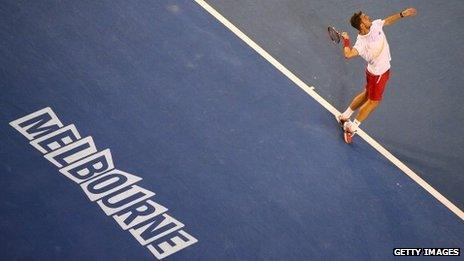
{"x": 241, "y": 158}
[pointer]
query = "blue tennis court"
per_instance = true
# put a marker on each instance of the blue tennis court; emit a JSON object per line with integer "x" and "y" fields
{"x": 148, "y": 130}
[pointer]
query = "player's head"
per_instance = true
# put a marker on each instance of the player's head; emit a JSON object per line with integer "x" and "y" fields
{"x": 361, "y": 21}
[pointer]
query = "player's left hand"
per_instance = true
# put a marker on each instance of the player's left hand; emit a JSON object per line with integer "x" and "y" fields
{"x": 345, "y": 35}
{"x": 409, "y": 12}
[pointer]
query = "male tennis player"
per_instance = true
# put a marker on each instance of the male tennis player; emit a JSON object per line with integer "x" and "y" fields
{"x": 371, "y": 44}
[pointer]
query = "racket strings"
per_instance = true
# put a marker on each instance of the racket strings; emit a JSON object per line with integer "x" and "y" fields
{"x": 334, "y": 34}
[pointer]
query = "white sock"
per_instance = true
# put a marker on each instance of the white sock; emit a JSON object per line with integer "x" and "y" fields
{"x": 347, "y": 114}
{"x": 354, "y": 125}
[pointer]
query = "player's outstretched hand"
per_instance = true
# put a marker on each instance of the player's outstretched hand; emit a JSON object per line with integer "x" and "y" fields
{"x": 409, "y": 12}
{"x": 345, "y": 35}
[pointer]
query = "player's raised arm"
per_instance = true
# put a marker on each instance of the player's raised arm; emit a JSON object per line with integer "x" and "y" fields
{"x": 348, "y": 51}
{"x": 395, "y": 17}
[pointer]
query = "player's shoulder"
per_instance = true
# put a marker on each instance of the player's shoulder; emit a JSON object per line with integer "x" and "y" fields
{"x": 378, "y": 22}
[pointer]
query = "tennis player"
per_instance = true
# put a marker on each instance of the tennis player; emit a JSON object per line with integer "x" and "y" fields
{"x": 372, "y": 45}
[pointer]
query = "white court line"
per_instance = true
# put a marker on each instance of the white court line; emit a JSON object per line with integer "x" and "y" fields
{"x": 310, "y": 90}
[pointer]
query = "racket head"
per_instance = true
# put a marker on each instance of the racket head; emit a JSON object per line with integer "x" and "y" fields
{"x": 334, "y": 35}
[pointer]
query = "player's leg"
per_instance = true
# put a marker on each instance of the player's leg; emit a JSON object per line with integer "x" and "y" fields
{"x": 357, "y": 102}
{"x": 367, "y": 108}
{"x": 375, "y": 87}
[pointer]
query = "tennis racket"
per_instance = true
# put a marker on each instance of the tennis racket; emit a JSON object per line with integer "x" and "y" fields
{"x": 334, "y": 35}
